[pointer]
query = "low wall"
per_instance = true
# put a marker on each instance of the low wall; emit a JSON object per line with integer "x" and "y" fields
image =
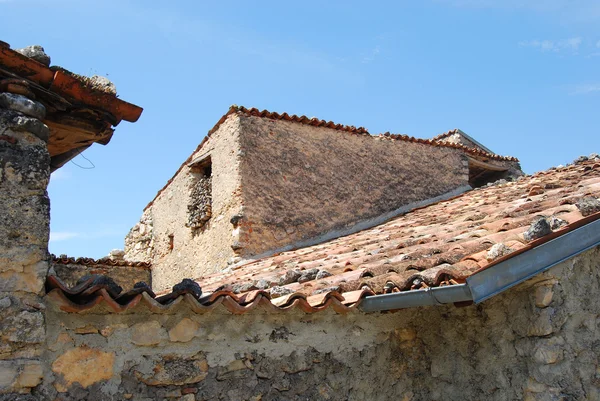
{"x": 537, "y": 341}
{"x": 124, "y": 274}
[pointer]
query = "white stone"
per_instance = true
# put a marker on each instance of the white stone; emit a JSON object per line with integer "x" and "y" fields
{"x": 147, "y": 333}
{"x": 184, "y": 331}
{"x": 23, "y": 104}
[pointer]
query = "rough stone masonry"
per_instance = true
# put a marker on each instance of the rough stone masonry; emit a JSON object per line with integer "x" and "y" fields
{"x": 24, "y": 232}
{"x": 535, "y": 342}
{"x": 278, "y": 185}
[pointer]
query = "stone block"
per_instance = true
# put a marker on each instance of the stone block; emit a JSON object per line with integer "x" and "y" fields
{"x": 549, "y": 351}
{"x": 173, "y": 370}
{"x": 25, "y": 222}
{"x": 82, "y": 365}
{"x": 184, "y": 331}
{"x": 35, "y": 52}
{"x": 22, "y": 104}
{"x": 406, "y": 334}
{"x": 24, "y": 163}
{"x": 25, "y": 327}
{"x": 147, "y": 333}
{"x": 543, "y": 296}
{"x": 31, "y": 375}
{"x": 30, "y": 280}
{"x": 19, "y": 375}
{"x": 16, "y": 121}
{"x": 542, "y": 325}
{"x": 8, "y": 373}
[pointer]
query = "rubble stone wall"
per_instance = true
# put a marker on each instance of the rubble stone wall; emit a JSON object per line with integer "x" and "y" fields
{"x": 301, "y": 182}
{"x": 163, "y": 235}
{"x": 24, "y": 232}
{"x": 537, "y": 341}
{"x": 124, "y": 276}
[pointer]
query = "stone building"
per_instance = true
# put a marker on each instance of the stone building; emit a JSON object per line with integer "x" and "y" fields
{"x": 262, "y": 183}
{"x": 294, "y": 258}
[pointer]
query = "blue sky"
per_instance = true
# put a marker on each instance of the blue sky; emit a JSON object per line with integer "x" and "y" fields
{"x": 522, "y": 77}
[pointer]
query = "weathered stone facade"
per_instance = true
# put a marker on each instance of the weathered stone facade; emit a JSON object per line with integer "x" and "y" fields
{"x": 300, "y": 183}
{"x": 275, "y": 185}
{"x": 163, "y": 235}
{"x": 124, "y": 275}
{"x": 24, "y": 232}
{"x": 535, "y": 342}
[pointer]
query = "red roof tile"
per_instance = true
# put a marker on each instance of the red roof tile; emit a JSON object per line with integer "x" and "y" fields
{"x": 67, "y": 84}
{"x": 436, "y": 245}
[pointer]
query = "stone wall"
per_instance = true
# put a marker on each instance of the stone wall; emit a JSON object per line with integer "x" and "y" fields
{"x": 275, "y": 185}
{"x": 125, "y": 276}
{"x": 139, "y": 242}
{"x": 163, "y": 235}
{"x": 301, "y": 182}
{"x": 24, "y": 232}
{"x": 537, "y": 341}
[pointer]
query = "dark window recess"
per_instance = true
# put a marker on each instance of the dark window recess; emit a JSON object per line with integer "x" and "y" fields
{"x": 200, "y": 204}
{"x": 482, "y": 172}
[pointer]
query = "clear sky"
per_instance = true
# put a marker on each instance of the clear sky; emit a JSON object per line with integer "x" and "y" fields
{"x": 520, "y": 76}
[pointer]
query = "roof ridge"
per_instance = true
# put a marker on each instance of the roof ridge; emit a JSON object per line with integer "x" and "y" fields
{"x": 315, "y": 122}
{"x": 445, "y": 134}
{"x": 434, "y": 142}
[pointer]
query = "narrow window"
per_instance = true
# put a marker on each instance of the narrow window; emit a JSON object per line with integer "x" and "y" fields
{"x": 200, "y": 203}
{"x": 171, "y": 242}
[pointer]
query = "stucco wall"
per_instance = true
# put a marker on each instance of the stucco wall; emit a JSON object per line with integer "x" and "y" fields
{"x": 194, "y": 251}
{"x": 537, "y": 341}
{"x": 300, "y": 182}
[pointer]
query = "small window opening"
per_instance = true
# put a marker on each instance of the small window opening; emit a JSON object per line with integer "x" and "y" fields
{"x": 171, "y": 242}
{"x": 482, "y": 173}
{"x": 200, "y": 201}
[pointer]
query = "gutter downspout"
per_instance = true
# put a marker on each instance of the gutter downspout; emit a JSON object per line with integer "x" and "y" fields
{"x": 497, "y": 278}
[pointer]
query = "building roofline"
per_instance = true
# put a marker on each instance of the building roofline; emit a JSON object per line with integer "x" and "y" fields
{"x": 67, "y": 84}
{"x": 446, "y": 134}
{"x": 315, "y": 122}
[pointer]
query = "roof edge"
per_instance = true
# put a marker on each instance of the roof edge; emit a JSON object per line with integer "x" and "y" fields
{"x": 502, "y": 274}
{"x": 106, "y": 261}
{"x": 64, "y": 83}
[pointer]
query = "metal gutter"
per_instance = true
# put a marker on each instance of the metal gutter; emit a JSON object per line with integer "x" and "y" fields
{"x": 409, "y": 299}
{"x": 498, "y": 277}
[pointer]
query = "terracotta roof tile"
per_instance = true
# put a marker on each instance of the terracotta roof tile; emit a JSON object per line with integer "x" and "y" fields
{"x": 64, "y": 83}
{"x": 437, "y": 245}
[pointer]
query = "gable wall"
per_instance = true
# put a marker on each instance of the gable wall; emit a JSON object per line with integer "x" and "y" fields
{"x": 302, "y": 183}
{"x": 195, "y": 251}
